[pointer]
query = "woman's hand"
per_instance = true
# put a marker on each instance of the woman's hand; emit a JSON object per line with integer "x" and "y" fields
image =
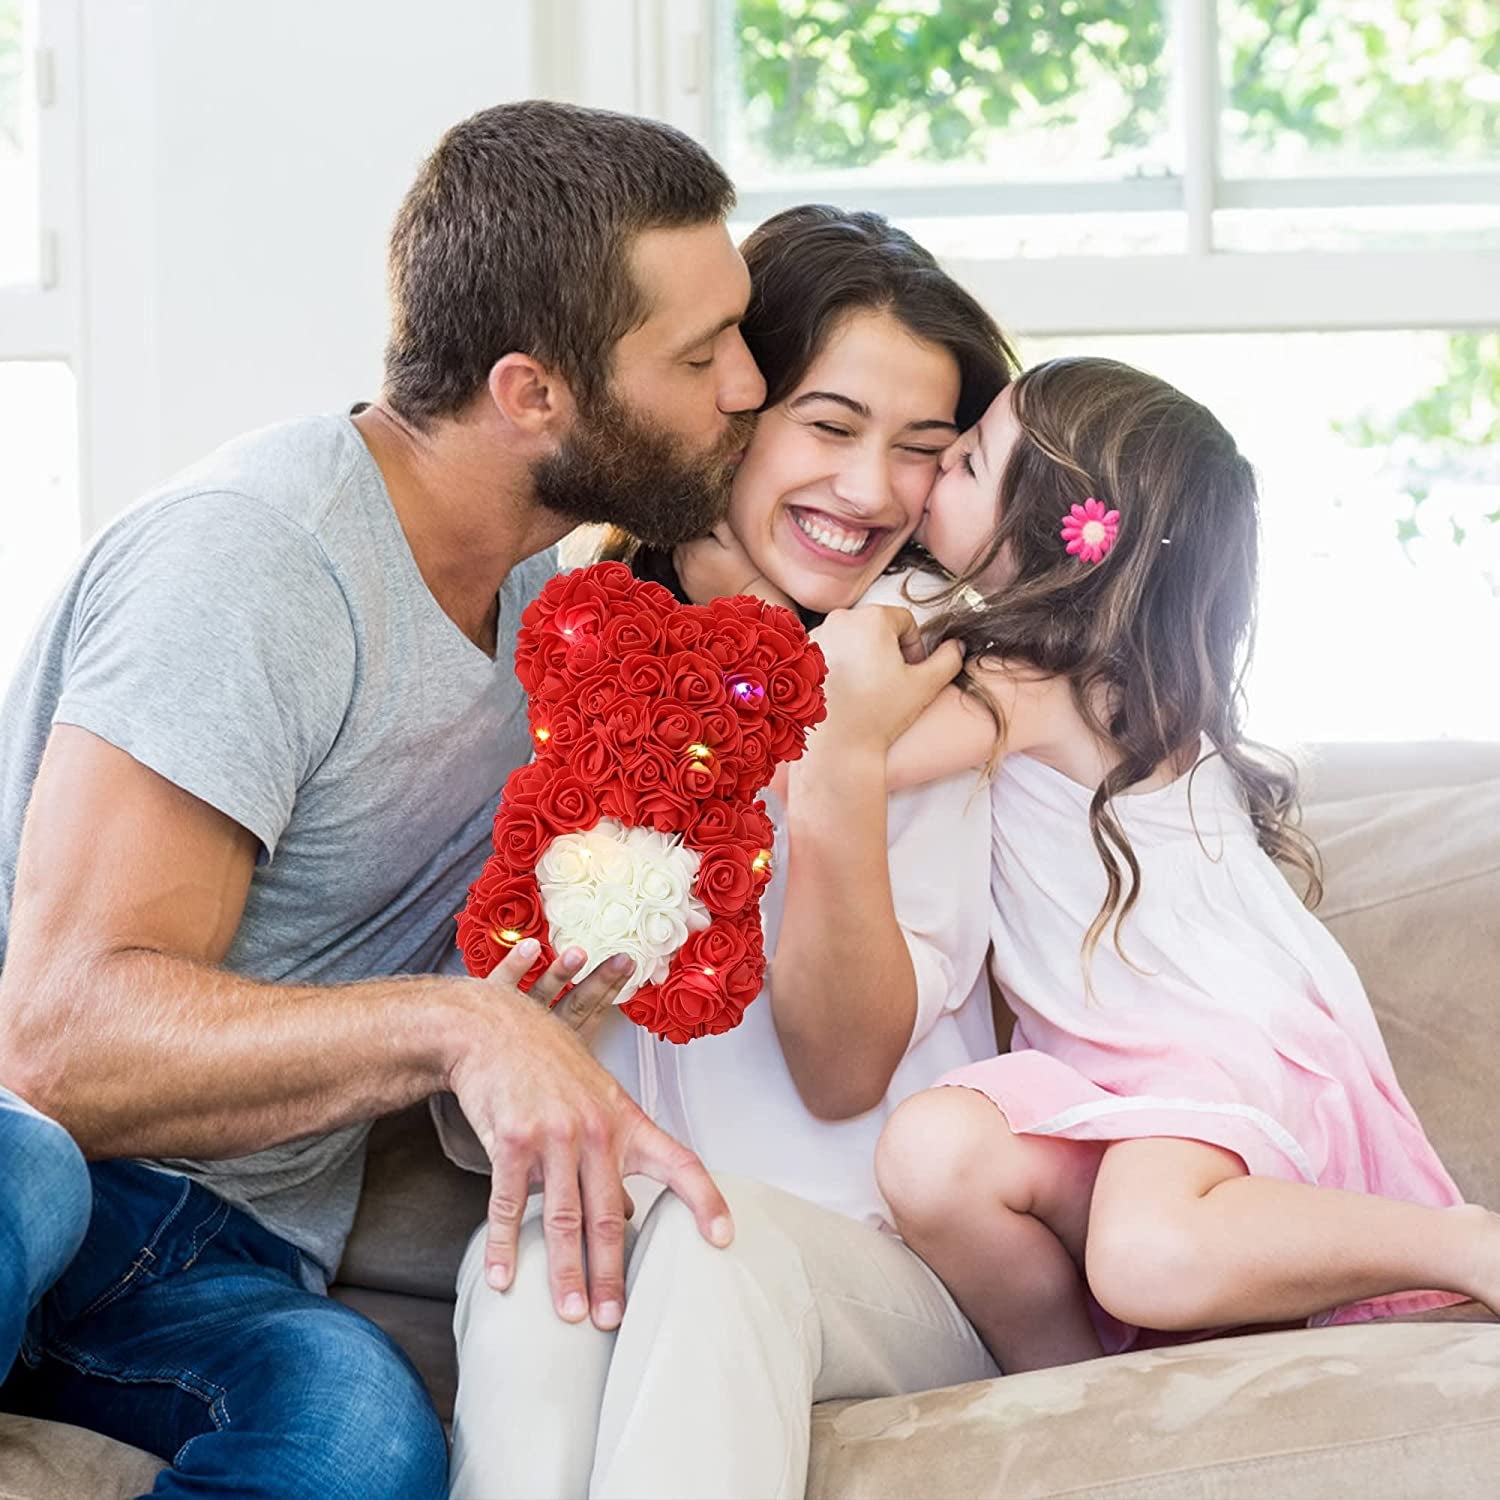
{"x": 718, "y": 567}
{"x": 880, "y": 677}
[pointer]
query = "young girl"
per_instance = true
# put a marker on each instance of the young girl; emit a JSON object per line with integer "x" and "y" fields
{"x": 1197, "y": 1122}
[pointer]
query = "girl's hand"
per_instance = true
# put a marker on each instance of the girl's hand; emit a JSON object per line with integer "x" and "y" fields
{"x": 879, "y": 675}
{"x": 718, "y": 567}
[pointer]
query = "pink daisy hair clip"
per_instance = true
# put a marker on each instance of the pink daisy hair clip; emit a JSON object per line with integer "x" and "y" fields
{"x": 1090, "y": 530}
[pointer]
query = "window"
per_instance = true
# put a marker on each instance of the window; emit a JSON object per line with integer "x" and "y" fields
{"x": 19, "y": 230}
{"x": 39, "y": 311}
{"x": 1040, "y": 129}
{"x": 1292, "y": 210}
{"x": 1380, "y": 548}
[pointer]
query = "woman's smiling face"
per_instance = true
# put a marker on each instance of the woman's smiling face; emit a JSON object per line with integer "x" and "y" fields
{"x": 836, "y": 476}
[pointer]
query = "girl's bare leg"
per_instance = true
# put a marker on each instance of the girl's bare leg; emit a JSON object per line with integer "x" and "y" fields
{"x": 1001, "y": 1218}
{"x": 1181, "y": 1237}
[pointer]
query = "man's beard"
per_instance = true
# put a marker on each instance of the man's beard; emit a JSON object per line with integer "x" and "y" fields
{"x": 623, "y": 470}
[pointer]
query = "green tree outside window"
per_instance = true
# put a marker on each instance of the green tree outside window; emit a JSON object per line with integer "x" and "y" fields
{"x": 851, "y": 83}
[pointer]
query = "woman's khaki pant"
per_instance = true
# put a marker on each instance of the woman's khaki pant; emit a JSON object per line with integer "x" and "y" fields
{"x": 707, "y": 1387}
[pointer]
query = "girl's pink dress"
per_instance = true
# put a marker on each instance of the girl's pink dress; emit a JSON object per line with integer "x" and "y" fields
{"x": 1237, "y": 1020}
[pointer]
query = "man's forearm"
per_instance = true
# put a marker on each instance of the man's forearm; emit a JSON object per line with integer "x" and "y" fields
{"x": 844, "y": 993}
{"x": 148, "y": 1054}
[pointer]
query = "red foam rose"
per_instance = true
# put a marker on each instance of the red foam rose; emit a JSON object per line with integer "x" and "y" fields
{"x": 716, "y": 822}
{"x": 674, "y": 728}
{"x": 725, "y": 882}
{"x": 695, "y": 680}
{"x": 566, "y": 803}
{"x": 634, "y": 630}
{"x": 505, "y": 901}
{"x": 520, "y": 836}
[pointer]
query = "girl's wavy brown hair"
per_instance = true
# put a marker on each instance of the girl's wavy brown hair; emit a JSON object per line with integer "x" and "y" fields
{"x": 1155, "y": 639}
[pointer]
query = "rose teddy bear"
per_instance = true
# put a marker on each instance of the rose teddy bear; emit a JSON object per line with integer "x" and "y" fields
{"x": 636, "y": 829}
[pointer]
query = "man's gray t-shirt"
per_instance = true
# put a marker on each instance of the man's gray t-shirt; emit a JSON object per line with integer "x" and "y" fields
{"x": 258, "y": 633}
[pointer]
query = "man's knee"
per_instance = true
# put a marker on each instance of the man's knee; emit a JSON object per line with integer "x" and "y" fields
{"x": 45, "y": 1196}
{"x": 355, "y": 1412}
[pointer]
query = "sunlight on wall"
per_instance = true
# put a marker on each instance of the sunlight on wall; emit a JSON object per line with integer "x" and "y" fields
{"x": 38, "y": 496}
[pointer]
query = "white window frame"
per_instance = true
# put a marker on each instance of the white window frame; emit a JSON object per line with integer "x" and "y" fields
{"x": 43, "y": 319}
{"x": 656, "y": 57}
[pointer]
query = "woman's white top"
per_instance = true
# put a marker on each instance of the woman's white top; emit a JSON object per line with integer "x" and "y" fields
{"x": 732, "y": 1099}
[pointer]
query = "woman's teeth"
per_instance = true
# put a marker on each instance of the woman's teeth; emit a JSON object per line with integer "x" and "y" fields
{"x": 835, "y": 538}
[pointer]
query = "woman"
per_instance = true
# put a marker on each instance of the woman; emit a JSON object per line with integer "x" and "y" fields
{"x": 874, "y": 360}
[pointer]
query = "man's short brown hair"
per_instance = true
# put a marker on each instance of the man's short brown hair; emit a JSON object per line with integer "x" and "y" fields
{"x": 515, "y": 238}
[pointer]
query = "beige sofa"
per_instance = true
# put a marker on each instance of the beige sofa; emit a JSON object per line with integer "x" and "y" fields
{"x": 1411, "y": 840}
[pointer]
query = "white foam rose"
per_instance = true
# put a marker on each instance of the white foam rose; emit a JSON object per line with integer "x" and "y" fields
{"x": 616, "y": 910}
{"x": 662, "y": 883}
{"x": 663, "y": 931}
{"x": 612, "y": 859}
{"x": 567, "y": 862}
{"x": 621, "y": 890}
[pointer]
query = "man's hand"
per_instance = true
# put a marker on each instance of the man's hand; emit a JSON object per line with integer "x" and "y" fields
{"x": 718, "y": 567}
{"x": 880, "y": 677}
{"x": 586, "y": 1004}
{"x": 546, "y": 1112}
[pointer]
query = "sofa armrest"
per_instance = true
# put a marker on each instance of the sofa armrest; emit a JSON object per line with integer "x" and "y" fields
{"x": 1338, "y": 771}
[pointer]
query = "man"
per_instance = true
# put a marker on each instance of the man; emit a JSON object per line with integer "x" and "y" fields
{"x": 257, "y": 746}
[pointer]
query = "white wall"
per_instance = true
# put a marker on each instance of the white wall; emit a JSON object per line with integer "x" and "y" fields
{"x": 241, "y": 164}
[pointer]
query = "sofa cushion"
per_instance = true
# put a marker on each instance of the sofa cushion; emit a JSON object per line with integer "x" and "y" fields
{"x": 1383, "y": 1411}
{"x": 416, "y": 1212}
{"x": 1413, "y": 894}
{"x": 52, "y": 1461}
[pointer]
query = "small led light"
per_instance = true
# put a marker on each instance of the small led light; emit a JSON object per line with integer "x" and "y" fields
{"x": 509, "y": 936}
{"x": 700, "y": 752}
{"x": 762, "y": 860}
{"x": 709, "y": 972}
{"x": 544, "y": 734}
{"x": 745, "y": 691}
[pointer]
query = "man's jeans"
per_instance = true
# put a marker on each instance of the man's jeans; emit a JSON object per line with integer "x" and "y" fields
{"x": 44, "y": 1211}
{"x": 182, "y": 1326}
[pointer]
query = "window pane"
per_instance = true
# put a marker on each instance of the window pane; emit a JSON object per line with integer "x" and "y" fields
{"x": 1396, "y": 85}
{"x": 1379, "y": 464}
{"x": 39, "y": 517}
{"x": 1435, "y": 226}
{"x": 982, "y": 236}
{"x": 18, "y": 179}
{"x": 962, "y": 89}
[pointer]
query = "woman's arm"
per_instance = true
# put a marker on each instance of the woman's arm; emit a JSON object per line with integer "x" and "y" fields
{"x": 844, "y": 991}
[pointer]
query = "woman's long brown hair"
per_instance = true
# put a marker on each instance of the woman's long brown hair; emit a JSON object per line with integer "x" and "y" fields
{"x": 1155, "y": 639}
